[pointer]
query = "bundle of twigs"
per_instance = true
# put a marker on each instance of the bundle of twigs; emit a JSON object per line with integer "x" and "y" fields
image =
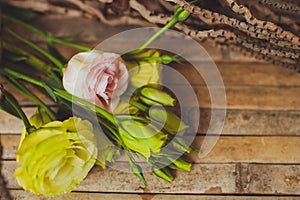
{"x": 266, "y": 29}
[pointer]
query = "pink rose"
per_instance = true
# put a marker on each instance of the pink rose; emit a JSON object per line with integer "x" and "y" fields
{"x": 98, "y": 77}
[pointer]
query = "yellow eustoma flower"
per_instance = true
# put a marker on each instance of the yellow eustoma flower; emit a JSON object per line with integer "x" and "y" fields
{"x": 145, "y": 72}
{"x": 56, "y": 157}
{"x": 37, "y": 120}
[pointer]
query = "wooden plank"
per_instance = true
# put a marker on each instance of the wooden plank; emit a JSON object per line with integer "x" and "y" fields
{"x": 204, "y": 178}
{"x": 10, "y": 124}
{"x": 237, "y": 122}
{"x": 238, "y": 74}
{"x": 228, "y": 149}
{"x": 266, "y": 179}
{"x": 247, "y": 98}
{"x": 252, "y": 149}
{"x": 238, "y": 97}
{"x": 22, "y": 195}
{"x": 250, "y": 122}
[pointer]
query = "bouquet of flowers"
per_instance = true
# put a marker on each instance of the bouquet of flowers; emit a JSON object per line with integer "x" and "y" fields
{"x": 107, "y": 105}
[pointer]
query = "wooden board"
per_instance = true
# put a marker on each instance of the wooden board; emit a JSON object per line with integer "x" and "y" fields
{"x": 258, "y": 149}
{"x": 257, "y": 154}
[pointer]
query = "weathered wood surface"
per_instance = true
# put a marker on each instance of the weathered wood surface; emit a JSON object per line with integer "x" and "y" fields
{"x": 258, "y": 153}
{"x": 228, "y": 149}
{"x": 237, "y": 122}
{"x": 203, "y": 179}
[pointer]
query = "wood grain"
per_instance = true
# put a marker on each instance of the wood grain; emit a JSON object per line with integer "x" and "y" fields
{"x": 237, "y": 122}
{"x": 202, "y": 179}
{"x": 228, "y": 149}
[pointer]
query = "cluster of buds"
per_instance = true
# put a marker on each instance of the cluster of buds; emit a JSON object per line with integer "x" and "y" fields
{"x": 157, "y": 134}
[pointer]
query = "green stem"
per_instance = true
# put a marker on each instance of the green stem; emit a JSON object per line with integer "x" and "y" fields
{"x": 18, "y": 75}
{"x": 69, "y": 97}
{"x": 36, "y": 47}
{"x": 156, "y": 35}
{"x": 47, "y": 37}
{"x": 30, "y": 95}
{"x": 63, "y": 94}
{"x": 14, "y": 104}
{"x": 32, "y": 61}
{"x": 66, "y": 43}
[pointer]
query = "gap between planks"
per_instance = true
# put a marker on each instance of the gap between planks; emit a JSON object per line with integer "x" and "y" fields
{"x": 20, "y": 195}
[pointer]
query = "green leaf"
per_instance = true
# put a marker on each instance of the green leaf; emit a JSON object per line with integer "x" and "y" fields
{"x": 50, "y": 92}
{"x": 54, "y": 51}
{"x": 9, "y": 109}
{"x": 136, "y": 169}
{"x": 163, "y": 173}
{"x": 14, "y": 58}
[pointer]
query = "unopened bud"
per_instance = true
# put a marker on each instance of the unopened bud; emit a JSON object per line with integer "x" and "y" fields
{"x": 154, "y": 96}
{"x": 181, "y": 14}
{"x": 163, "y": 173}
{"x": 172, "y": 123}
{"x": 181, "y": 164}
{"x": 165, "y": 59}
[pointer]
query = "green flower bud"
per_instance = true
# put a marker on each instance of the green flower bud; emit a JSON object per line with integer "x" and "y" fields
{"x": 56, "y": 157}
{"x": 181, "y": 164}
{"x": 141, "y": 138}
{"x": 154, "y": 96}
{"x": 165, "y": 59}
{"x": 163, "y": 173}
{"x": 172, "y": 123}
{"x": 145, "y": 72}
{"x": 180, "y": 14}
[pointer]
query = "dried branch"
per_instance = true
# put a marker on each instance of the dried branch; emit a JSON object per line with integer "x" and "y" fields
{"x": 239, "y": 24}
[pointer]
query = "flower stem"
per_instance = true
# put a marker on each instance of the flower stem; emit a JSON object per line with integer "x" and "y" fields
{"x": 32, "y": 61}
{"x": 29, "y": 94}
{"x": 36, "y": 47}
{"x": 48, "y": 38}
{"x": 15, "y": 105}
{"x": 156, "y": 35}
{"x": 69, "y": 97}
{"x": 63, "y": 94}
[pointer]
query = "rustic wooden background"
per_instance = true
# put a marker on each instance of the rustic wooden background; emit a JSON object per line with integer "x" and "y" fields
{"x": 256, "y": 157}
